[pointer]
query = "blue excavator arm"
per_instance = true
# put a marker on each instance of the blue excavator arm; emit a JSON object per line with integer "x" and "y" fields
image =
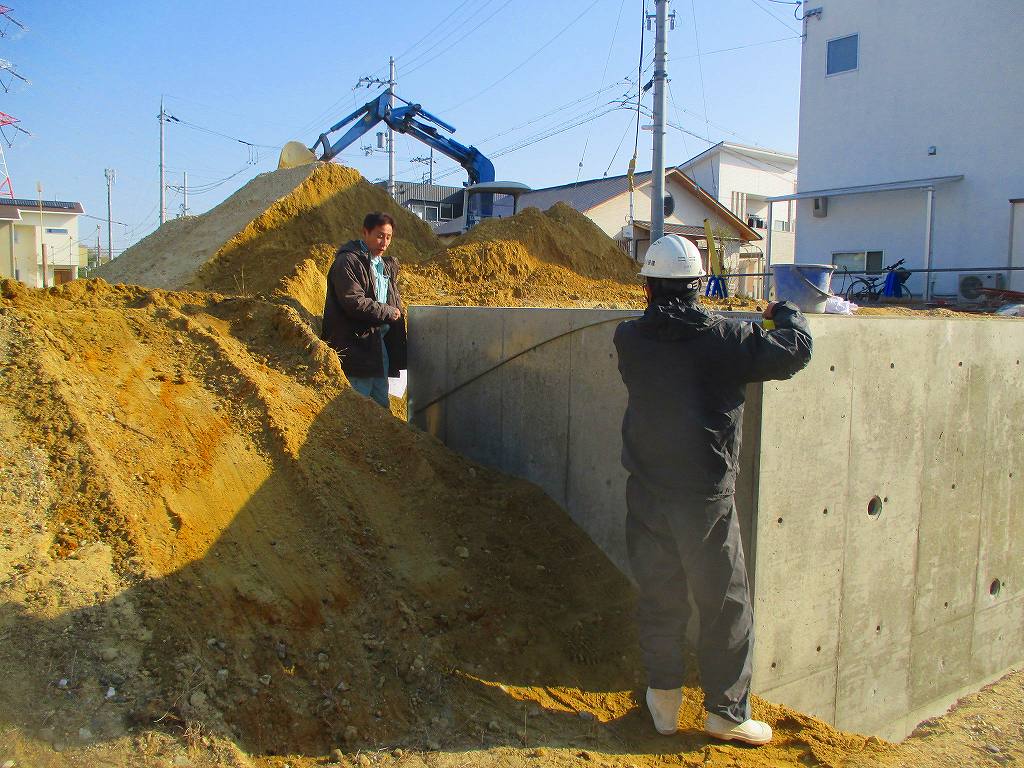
{"x": 404, "y": 120}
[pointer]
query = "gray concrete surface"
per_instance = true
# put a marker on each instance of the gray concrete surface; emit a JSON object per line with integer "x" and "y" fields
{"x": 872, "y": 622}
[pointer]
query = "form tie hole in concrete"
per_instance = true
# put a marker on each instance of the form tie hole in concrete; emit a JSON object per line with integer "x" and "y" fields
{"x": 953, "y": 486}
{"x": 824, "y": 511}
{"x": 818, "y": 649}
{"x": 774, "y": 665}
{"x": 960, "y": 364}
{"x": 946, "y": 604}
{"x": 875, "y": 507}
{"x": 780, "y": 521}
{"x": 832, "y": 368}
{"x": 878, "y": 628}
{"x": 994, "y": 587}
{"x": 892, "y": 365}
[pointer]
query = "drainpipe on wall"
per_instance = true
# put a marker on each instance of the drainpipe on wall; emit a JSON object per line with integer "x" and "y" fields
{"x": 929, "y": 213}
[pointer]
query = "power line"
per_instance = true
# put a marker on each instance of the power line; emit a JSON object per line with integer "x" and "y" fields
{"x": 454, "y": 42}
{"x": 765, "y": 10}
{"x": 604, "y": 72}
{"x": 528, "y": 59}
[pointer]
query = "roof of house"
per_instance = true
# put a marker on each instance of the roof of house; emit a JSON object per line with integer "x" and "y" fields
{"x": 10, "y": 206}
{"x": 589, "y": 194}
{"x": 757, "y": 153}
{"x": 582, "y": 195}
{"x": 406, "y": 191}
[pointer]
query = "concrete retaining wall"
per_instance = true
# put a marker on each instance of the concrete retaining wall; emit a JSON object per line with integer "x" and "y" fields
{"x": 873, "y": 622}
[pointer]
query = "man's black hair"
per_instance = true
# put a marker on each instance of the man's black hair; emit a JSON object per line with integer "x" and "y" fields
{"x": 377, "y": 219}
{"x": 663, "y": 287}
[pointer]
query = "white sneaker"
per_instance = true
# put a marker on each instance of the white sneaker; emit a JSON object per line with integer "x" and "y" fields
{"x": 750, "y": 731}
{"x": 664, "y": 705}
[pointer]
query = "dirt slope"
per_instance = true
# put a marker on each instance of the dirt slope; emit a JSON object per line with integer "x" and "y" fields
{"x": 248, "y": 242}
{"x": 208, "y": 533}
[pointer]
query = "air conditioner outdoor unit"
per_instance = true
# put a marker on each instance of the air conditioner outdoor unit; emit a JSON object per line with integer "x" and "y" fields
{"x": 968, "y": 284}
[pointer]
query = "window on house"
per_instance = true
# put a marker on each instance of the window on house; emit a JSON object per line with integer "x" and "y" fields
{"x": 432, "y": 212}
{"x": 842, "y": 55}
{"x": 858, "y": 261}
{"x": 447, "y": 212}
{"x": 417, "y": 209}
{"x": 781, "y": 225}
{"x": 55, "y": 231}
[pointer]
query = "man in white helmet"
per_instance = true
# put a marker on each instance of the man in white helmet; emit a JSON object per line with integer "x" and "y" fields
{"x": 686, "y": 372}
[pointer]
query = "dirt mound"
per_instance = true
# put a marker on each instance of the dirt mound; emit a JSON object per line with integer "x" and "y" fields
{"x": 212, "y": 544}
{"x": 170, "y": 256}
{"x": 258, "y": 235}
{"x": 321, "y": 213}
{"x": 553, "y": 258}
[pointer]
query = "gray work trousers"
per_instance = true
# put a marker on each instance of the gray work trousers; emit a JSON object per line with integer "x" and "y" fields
{"x": 677, "y": 544}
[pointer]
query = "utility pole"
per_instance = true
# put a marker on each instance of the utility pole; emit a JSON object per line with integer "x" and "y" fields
{"x": 109, "y": 173}
{"x": 99, "y": 249}
{"x": 391, "y": 132}
{"x": 660, "y": 77}
{"x": 431, "y": 182}
{"x": 184, "y": 192}
{"x": 163, "y": 207}
{"x": 42, "y": 246}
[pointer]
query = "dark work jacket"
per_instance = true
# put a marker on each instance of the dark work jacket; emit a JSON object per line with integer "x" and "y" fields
{"x": 686, "y": 373}
{"x": 354, "y": 314}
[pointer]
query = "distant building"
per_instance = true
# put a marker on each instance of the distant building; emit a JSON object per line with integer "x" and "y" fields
{"x": 26, "y": 227}
{"x": 742, "y": 178}
{"x": 910, "y": 142}
{"x": 434, "y": 203}
{"x": 605, "y": 201}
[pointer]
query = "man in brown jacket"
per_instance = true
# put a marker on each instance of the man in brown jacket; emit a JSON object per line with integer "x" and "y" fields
{"x": 363, "y": 311}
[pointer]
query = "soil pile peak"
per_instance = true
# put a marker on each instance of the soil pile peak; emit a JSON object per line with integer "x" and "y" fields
{"x": 259, "y": 234}
{"x": 553, "y": 258}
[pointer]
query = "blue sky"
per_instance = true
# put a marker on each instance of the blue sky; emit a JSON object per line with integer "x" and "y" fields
{"x": 270, "y": 72}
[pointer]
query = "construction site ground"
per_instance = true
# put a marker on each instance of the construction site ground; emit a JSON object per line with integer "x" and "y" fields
{"x": 214, "y": 553}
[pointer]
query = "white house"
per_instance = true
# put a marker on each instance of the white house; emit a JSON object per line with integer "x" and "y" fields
{"x": 742, "y": 178}
{"x": 910, "y": 148}
{"x": 27, "y": 228}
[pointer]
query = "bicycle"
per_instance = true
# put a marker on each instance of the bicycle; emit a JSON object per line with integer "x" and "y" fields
{"x": 874, "y": 287}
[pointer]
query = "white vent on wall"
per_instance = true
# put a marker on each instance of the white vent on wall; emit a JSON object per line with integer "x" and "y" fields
{"x": 969, "y": 284}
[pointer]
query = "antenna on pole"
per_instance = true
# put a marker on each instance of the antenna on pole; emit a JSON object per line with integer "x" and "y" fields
{"x": 109, "y": 174}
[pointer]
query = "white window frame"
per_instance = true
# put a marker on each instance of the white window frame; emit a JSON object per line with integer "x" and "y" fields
{"x": 781, "y": 225}
{"x": 842, "y": 71}
{"x": 864, "y": 259}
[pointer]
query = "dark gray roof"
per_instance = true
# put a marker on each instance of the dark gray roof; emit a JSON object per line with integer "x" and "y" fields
{"x": 55, "y": 206}
{"x": 428, "y": 193}
{"x": 584, "y": 195}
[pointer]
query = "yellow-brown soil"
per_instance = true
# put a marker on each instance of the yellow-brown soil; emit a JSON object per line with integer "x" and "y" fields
{"x": 207, "y": 529}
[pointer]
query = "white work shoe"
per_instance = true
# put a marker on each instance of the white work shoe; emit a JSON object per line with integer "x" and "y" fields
{"x": 749, "y": 731}
{"x": 664, "y": 705}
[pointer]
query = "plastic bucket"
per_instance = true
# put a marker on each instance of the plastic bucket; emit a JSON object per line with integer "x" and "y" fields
{"x": 806, "y": 285}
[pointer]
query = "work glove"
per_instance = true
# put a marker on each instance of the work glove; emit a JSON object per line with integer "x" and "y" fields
{"x": 786, "y": 314}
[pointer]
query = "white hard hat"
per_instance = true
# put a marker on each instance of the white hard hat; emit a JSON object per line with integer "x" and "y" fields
{"x": 673, "y": 258}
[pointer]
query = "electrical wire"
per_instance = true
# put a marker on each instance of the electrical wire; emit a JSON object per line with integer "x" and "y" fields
{"x": 765, "y": 10}
{"x": 527, "y": 60}
{"x": 434, "y": 29}
{"x": 457, "y": 40}
{"x": 604, "y": 73}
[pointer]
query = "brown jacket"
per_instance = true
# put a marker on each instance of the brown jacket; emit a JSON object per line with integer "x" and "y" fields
{"x": 354, "y": 315}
